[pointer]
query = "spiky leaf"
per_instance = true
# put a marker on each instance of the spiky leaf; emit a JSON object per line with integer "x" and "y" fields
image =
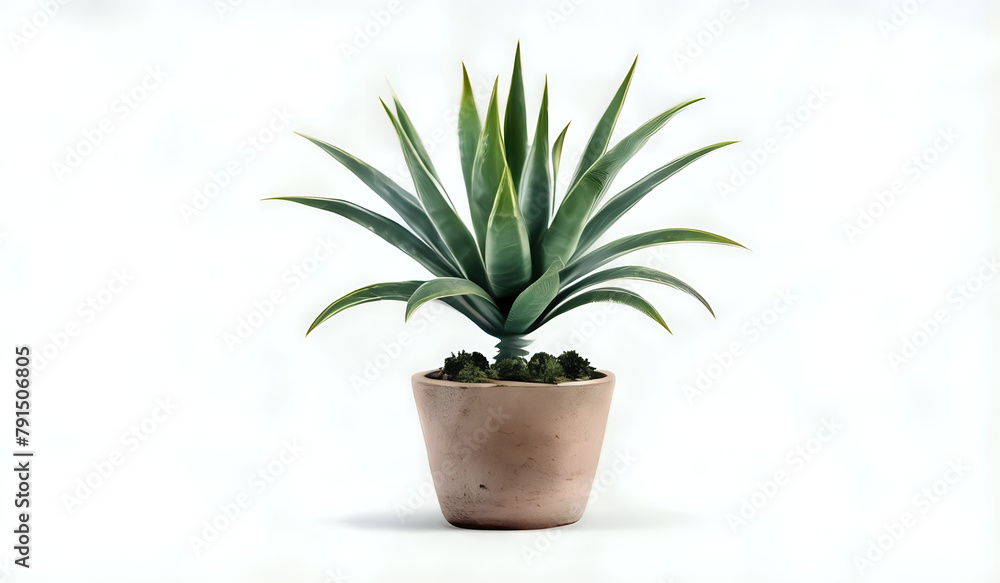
{"x": 515, "y": 122}
{"x": 469, "y": 128}
{"x": 393, "y": 290}
{"x": 590, "y": 261}
{"x": 389, "y": 230}
{"x": 620, "y": 203}
{"x": 557, "y": 148}
{"x": 445, "y": 287}
{"x": 440, "y": 210}
{"x": 405, "y": 204}
{"x": 487, "y": 171}
{"x": 631, "y": 272}
{"x": 479, "y": 311}
{"x": 598, "y": 142}
{"x": 535, "y": 191}
{"x": 606, "y": 294}
{"x": 508, "y": 252}
{"x": 563, "y": 235}
{"x": 411, "y": 133}
{"x": 530, "y": 303}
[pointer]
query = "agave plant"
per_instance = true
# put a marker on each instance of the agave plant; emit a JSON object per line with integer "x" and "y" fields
{"x": 525, "y": 260}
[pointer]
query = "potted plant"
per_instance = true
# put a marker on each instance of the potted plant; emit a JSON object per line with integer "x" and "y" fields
{"x": 504, "y": 452}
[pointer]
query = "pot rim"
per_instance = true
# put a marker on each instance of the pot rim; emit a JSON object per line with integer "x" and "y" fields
{"x": 422, "y": 376}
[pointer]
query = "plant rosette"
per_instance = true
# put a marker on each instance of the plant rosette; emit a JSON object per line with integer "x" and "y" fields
{"x": 524, "y": 262}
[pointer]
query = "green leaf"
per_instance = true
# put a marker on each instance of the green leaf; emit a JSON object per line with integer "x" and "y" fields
{"x": 631, "y": 272}
{"x": 405, "y": 204}
{"x": 388, "y": 229}
{"x": 441, "y": 212}
{"x": 445, "y": 287}
{"x": 535, "y": 298}
{"x": 479, "y": 311}
{"x": 508, "y": 252}
{"x": 606, "y": 294}
{"x": 487, "y": 171}
{"x": 469, "y": 128}
{"x": 515, "y": 122}
{"x": 620, "y": 203}
{"x": 601, "y": 137}
{"x": 394, "y": 290}
{"x": 535, "y": 192}
{"x": 557, "y": 149}
{"x": 411, "y": 133}
{"x": 563, "y": 234}
{"x": 590, "y": 261}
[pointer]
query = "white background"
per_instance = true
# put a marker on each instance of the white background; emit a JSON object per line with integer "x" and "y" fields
{"x": 343, "y": 394}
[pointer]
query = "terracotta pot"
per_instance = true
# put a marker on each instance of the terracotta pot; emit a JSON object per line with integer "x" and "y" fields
{"x": 513, "y": 455}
